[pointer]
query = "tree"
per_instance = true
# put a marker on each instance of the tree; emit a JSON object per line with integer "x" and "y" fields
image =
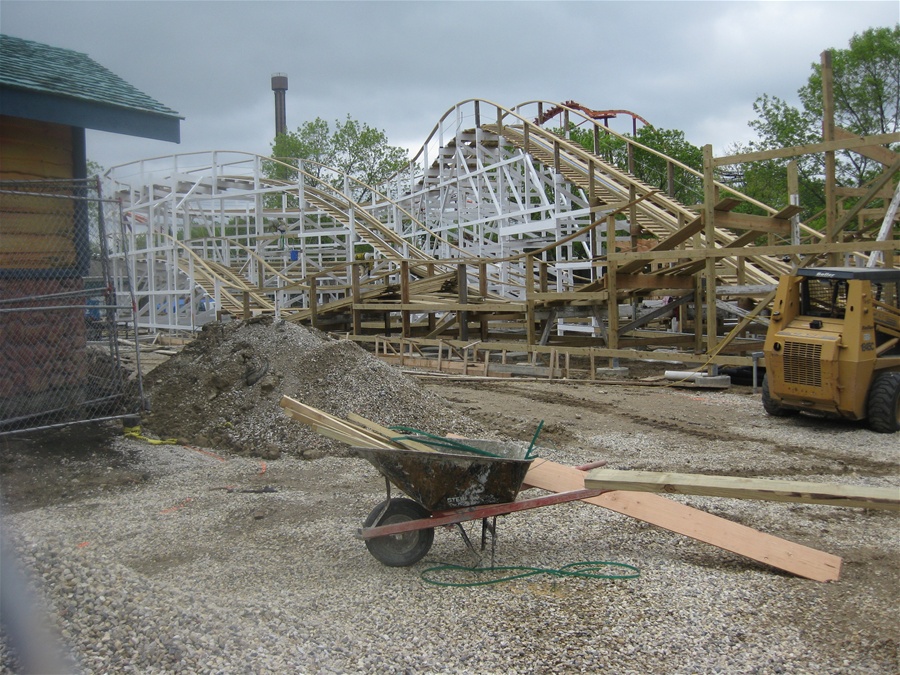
{"x": 353, "y": 148}
{"x": 866, "y": 86}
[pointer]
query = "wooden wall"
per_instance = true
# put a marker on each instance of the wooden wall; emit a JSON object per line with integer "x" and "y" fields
{"x": 36, "y": 233}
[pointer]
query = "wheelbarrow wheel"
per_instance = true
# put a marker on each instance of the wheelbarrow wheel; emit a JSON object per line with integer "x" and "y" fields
{"x": 407, "y": 548}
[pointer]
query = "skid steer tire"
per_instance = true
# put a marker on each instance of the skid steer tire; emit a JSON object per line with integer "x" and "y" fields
{"x": 883, "y": 405}
{"x": 770, "y": 405}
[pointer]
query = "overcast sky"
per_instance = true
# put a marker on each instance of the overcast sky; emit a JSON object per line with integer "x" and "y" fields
{"x": 398, "y": 66}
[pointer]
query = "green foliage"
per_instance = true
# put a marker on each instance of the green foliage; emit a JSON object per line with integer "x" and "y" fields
{"x": 653, "y": 169}
{"x": 649, "y": 168}
{"x": 351, "y": 148}
{"x": 866, "y": 85}
{"x": 94, "y": 169}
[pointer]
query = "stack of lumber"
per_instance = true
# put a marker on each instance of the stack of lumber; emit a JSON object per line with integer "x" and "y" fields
{"x": 356, "y": 430}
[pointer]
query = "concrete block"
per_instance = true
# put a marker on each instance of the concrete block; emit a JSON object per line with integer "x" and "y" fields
{"x": 713, "y": 381}
{"x": 615, "y": 373}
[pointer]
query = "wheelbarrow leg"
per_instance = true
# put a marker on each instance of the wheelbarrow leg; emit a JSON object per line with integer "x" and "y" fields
{"x": 469, "y": 544}
{"x": 386, "y": 504}
{"x": 489, "y": 526}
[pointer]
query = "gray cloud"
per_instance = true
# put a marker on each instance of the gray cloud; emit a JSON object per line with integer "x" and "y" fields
{"x": 398, "y": 66}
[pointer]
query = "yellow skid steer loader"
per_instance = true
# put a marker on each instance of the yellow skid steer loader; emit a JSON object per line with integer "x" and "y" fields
{"x": 832, "y": 346}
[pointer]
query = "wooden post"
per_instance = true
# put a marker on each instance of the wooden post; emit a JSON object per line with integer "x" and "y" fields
{"x": 432, "y": 322}
{"x": 529, "y": 299}
{"x": 612, "y": 304}
{"x": 698, "y": 314}
{"x": 483, "y": 291}
{"x": 246, "y": 303}
{"x": 313, "y": 302}
{"x": 709, "y": 231}
{"x": 404, "y": 298}
{"x": 462, "y": 282}
{"x": 670, "y": 180}
{"x": 355, "y": 296}
{"x": 831, "y": 234}
{"x": 793, "y": 180}
{"x": 592, "y": 184}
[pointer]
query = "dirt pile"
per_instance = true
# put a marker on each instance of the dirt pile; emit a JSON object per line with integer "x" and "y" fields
{"x": 222, "y": 390}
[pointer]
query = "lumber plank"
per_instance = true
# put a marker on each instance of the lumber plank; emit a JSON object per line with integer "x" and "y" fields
{"x": 805, "y": 492}
{"x": 320, "y": 420}
{"x": 356, "y": 442}
{"x": 389, "y": 434}
{"x": 347, "y": 436}
{"x": 766, "y": 548}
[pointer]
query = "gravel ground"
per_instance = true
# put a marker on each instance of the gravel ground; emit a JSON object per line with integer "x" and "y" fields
{"x": 187, "y": 559}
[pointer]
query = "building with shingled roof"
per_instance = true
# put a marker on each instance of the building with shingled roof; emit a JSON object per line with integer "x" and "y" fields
{"x": 49, "y": 96}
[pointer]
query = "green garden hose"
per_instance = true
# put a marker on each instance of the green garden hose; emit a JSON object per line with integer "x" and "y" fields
{"x": 585, "y": 570}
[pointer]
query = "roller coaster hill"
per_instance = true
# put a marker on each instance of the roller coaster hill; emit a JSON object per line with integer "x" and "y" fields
{"x": 501, "y": 239}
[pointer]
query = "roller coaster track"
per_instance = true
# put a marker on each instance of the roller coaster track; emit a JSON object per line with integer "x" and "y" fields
{"x": 666, "y": 219}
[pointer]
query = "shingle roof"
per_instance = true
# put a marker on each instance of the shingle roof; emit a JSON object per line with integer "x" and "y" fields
{"x": 37, "y": 67}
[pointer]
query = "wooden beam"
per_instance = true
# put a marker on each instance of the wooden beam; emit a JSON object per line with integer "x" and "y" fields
{"x": 877, "y": 152}
{"x": 779, "y": 553}
{"x": 796, "y": 151}
{"x": 647, "y": 281}
{"x": 727, "y": 204}
{"x": 736, "y": 487}
{"x": 876, "y": 186}
{"x": 746, "y": 221}
{"x": 753, "y": 251}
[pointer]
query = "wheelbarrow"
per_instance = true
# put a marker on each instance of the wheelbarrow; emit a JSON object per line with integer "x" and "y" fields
{"x": 447, "y": 488}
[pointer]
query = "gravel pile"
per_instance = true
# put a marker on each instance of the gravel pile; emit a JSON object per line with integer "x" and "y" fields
{"x": 222, "y": 390}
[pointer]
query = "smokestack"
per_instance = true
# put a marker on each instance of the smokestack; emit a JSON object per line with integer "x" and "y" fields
{"x": 279, "y": 86}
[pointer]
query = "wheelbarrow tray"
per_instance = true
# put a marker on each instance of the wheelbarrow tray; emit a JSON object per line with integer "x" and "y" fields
{"x": 449, "y": 480}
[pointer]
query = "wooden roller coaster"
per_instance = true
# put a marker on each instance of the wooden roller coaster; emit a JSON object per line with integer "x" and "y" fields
{"x": 504, "y": 243}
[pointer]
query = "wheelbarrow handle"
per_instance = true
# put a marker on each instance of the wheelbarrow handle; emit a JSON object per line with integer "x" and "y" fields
{"x": 592, "y": 465}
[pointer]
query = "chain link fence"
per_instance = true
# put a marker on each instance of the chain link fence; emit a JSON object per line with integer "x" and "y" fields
{"x": 61, "y": 322}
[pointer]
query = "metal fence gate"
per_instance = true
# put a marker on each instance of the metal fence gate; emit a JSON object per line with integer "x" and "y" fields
{"x": 61, "y": 323}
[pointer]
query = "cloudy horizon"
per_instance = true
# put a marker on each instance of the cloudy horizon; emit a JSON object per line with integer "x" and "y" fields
{"x": 398, "y": 66}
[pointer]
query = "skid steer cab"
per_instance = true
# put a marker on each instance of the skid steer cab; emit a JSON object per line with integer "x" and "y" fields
{"x": 832, "y": 346}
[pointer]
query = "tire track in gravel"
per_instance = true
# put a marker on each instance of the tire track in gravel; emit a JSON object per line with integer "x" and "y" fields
{"x": 693, "y": 429}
